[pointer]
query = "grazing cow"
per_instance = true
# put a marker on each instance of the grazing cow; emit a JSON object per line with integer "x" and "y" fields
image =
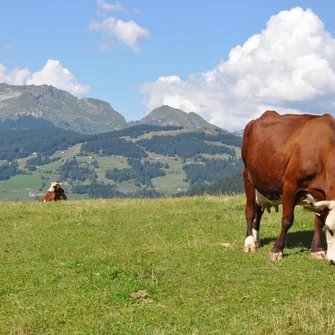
{"x": 55, "y": 193}
{"x": 290, "y": 160}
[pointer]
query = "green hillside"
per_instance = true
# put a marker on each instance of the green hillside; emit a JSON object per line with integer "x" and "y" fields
{"x": 76, "y": 267}
{"x": 167, "y": 116}
{"x": 139, "y": 161}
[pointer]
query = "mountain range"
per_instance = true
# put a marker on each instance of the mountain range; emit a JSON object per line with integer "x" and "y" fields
{"x": 26, "y": 107}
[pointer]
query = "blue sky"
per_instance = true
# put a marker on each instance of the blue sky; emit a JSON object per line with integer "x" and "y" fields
{"x": 118, "y": 50}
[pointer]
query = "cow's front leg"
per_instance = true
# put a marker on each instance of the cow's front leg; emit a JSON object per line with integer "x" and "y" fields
{"x": 250, "y": 243}
{"x": 317, "y": 250}
{"x": 289, "y": 202}
{"x": 253, "y": 241}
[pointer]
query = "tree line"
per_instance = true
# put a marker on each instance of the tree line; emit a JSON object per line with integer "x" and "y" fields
{"x": 40, "y": 160}
{"x": 211, "y": 170}
{"x": 76, "y": 171}
{"x": 228, "y": 185}
{"x": 113, "y": 146}
{"x": 100, "y": 190}
{"x": 15, "y": 144}
{"x": 133, "y": 132}
{"x": 46, "y": 141}
{"x": 142, "y": 173}
{"x": 9, "y": 169}
{"x": 185, "y": 145}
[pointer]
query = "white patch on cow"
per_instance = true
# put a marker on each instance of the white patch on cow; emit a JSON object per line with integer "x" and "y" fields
{"x": 330, "y": 232}
{"x": 330, "y": 226}
{"x": 265, "y": 203}
{"x": 249, "y": 244}
{"x": 256, "y": 236}
{"x": 52, "y": 187}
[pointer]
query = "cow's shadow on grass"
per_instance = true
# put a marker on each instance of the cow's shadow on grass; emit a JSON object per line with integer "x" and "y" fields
{"x": 298, "y": 239}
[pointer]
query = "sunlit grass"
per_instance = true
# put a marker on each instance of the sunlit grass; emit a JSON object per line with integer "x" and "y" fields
{"x": 71, "y": 268}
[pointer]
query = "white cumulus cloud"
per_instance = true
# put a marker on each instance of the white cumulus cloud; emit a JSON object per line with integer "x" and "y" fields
{"x": 126, "y": 32}
{"x": 289, "y": 66}
{"x": 53, "y": 73}
{"x": 15, "y": 76}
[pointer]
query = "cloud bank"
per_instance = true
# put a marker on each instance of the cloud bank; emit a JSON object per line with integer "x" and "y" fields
{"x": 53, "y": 73}
{"x": 289, "y": 66}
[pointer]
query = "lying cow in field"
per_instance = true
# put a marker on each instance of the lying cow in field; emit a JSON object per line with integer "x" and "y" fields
{"x": 290, "y": 160}
{"x": 55, "y": 193}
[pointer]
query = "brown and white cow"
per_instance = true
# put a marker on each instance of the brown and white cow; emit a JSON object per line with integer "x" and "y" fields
{"x": 290, "y": 160}
{"x": 55, "y": 193}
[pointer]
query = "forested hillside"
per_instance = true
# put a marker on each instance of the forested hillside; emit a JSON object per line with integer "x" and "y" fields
{"x": 228, "y": 185}
{"x": 184, "y": 145}
{"x": 140, "y": 161}
{"x": 45, "y": 141}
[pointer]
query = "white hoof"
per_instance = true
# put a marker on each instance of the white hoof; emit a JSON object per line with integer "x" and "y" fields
{"x": 256, "y": 236}
{"x": 249, "y": 244}
{"x": 319, "y": 255}
{"x": 276, "y": 256}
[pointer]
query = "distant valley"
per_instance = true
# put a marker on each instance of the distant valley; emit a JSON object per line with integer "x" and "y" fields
{"x": 46, "y": 135}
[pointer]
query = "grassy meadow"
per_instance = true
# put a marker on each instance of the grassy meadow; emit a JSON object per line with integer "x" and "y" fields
{"x": 17, "y": 187}
{"x": 73, "y": 268}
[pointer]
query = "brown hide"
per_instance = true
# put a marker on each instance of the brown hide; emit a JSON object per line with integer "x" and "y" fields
{"x": 295, "y": 151}
{"x": 50, "y": 196}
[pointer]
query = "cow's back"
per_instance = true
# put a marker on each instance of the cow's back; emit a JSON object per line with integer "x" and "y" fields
{"x": 273, "y": 142}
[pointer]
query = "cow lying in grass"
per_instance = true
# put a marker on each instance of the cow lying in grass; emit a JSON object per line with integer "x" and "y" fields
{"x": 55, "y": 193}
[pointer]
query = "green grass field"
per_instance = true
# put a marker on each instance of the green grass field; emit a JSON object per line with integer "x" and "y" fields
{"x": 170, "y": 183}
{"x": 109, "y": 163}
{"x": 72, "y": 268}
{"x": 50, "y": 167}
{"x": 18, "y": 186}
{"x": 127, "y": 186}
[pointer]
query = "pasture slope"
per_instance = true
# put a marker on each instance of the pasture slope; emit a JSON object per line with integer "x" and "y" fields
{"x": 71, "y": 268}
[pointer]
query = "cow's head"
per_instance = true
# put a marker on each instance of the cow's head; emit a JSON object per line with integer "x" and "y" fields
{"x": 330, "y": 226}
{"x": 54, "y": 186}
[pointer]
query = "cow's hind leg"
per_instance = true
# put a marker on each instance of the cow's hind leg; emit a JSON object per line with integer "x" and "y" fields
{"x": 289, "y": 202}
{"x": 251, "y": 241}
{"x": 317, "y": 250}
{"x": 256, "y": 225}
